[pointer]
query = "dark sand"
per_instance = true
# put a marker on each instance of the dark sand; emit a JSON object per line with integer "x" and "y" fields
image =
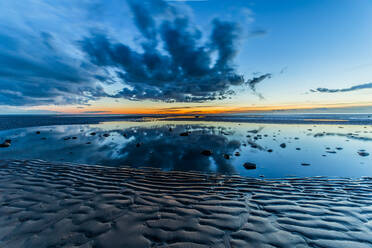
{"x": 67, "y": 205}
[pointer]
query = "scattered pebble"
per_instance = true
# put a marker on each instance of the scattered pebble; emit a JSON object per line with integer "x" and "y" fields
{"x": 283, "y": 145}
{"x": 6, "y": 143}
{"x": 249, "y": 166}
{"x": 206, "y": 153}
{"x": 333, "y": 152}
{"x": 363, "y": 154}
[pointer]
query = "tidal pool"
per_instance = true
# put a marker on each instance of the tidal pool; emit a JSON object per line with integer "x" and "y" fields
{"x": 277, "y": 150}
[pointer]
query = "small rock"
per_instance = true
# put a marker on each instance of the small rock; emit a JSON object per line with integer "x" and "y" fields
{"x": 74, "y": 137}
{"x": 206, "y": 153}
{"x": 5, "y": 144}
{"x": 138, "y": 144}
{"x": 66, "y": 138}
{"x": 184, "y": 134}
{"x": 332, "y": 152}
{"x": 226, "y": 156}
{"x": 270, "y": 150}
{"x": 339, "y": 148}
{"x": 37, "y": 132}
{"x": 305, "y": 164}
{"x": 93, "y": 133}
{"x": 298, "y": 148}
{"x": 106, "y": 135}
{"x": 249, "y": 166}
{"x": 363, "y": 154}
{"x": 283, "y": 145}
{"x": 88, "y": 143}
{"x": 237, "y": 154}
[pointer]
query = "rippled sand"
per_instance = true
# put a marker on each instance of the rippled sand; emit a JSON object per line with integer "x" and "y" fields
{"x": 66, "y": 205}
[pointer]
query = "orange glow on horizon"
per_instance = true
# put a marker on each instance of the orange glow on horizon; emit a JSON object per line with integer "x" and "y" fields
{"x": 202, "y": 109}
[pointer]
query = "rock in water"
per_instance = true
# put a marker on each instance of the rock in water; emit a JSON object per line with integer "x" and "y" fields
{"x": 5, "y": 144}
{"x": 226, "y": 156}
{"x": 93, "y": 133}
{"x": 206, "y": 153}
{"x": 184, "y": 134}
{"x": 249, "y": 166}
{"x": 363, "y": 154}
{"x": 237, "y": 154}
{"x": 283, "y": 145}
{"x": 305, "y": 164}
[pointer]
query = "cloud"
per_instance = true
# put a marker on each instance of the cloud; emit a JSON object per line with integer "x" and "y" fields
{"x": 256, "y": 80}
{"x": 36, "y": 66}
{"x": 50, "y": 55}
{"x": 175, "y": 64}
{"x": 258, "y": 32}
{"x": 352, "y": 88}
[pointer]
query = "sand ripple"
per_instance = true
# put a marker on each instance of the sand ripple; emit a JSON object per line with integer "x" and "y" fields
{"x": 67, "y": 205}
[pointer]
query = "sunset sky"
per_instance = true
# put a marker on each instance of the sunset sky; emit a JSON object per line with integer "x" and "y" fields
{"x": 207, "y": 56}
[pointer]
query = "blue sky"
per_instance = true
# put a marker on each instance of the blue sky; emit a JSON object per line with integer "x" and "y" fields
{"x": 124, "y": 56}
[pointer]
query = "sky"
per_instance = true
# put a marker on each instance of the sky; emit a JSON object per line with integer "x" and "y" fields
{"x": 180, "y": 57}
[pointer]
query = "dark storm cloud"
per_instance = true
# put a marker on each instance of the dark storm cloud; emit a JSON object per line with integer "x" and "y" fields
{"x": 40, "y": 75}
{"x": 353, "y": 88}
{"x": 48, "y": 55}
{"x": 176, "y": 64}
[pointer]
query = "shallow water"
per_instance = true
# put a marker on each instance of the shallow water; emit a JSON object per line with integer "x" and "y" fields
{"x": 322, "y": 149}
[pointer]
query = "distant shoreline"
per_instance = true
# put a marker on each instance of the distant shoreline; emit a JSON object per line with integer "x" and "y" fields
{"x": 22, "y": 121}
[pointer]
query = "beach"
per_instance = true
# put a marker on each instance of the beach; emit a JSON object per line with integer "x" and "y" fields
{"x": 186, "y": 182}
{"x": 70, "y": 205}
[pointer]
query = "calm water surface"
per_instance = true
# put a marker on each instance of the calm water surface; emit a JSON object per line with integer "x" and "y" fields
{"x": 310, "y": 150}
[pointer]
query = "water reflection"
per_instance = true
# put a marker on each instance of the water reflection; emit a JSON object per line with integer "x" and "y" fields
{"x": 278, "y": 150}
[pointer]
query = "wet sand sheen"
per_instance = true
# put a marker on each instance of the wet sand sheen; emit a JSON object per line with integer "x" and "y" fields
{"x": 53, "y": 205}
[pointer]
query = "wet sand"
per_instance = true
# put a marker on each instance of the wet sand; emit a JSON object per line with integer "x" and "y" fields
{"x": 69, "y": 205}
